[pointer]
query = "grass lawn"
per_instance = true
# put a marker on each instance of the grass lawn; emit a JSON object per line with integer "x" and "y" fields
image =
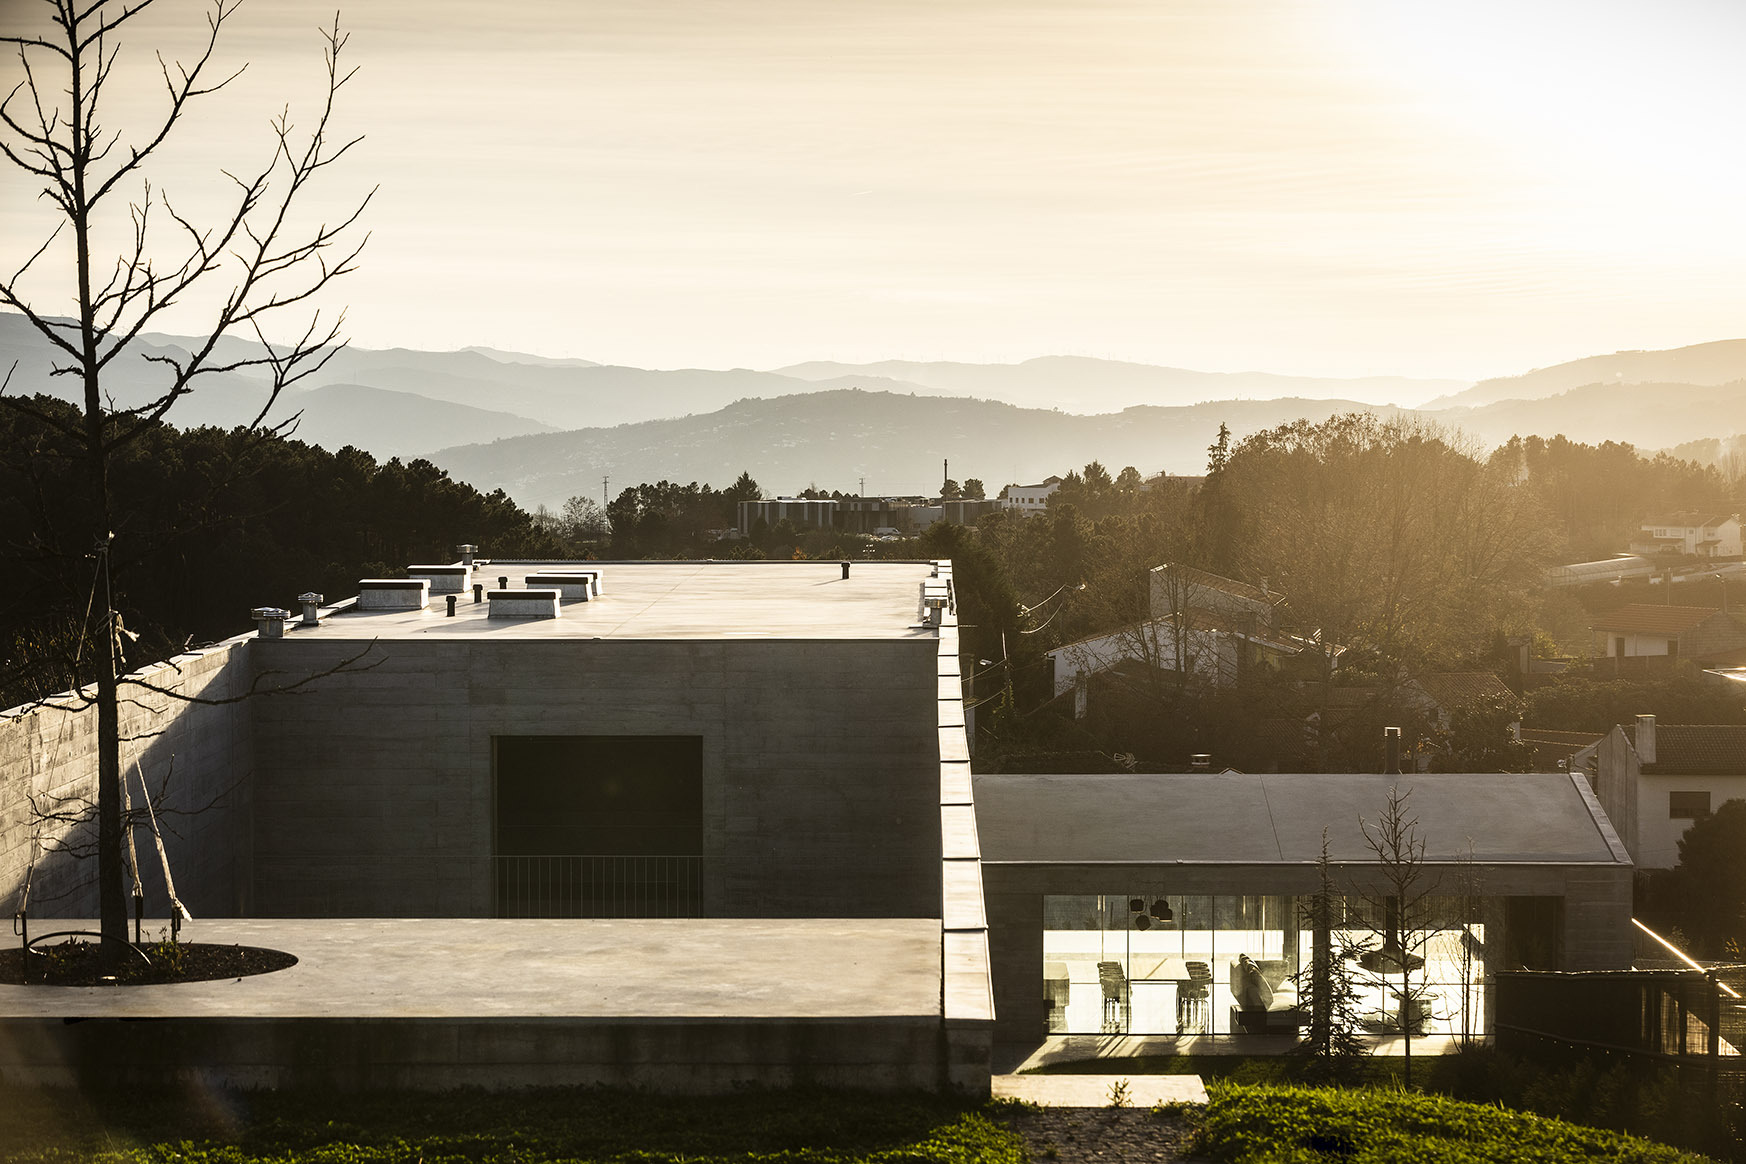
{"x": 1281, "y": 1125}
{"x": 1242, "y": 1125}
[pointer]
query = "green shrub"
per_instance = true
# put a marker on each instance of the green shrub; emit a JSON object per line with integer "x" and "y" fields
{"x": 1290, "y": 1124}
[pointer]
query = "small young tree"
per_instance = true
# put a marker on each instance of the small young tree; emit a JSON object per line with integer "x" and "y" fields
{"x": 1404, "y": 904}
{"x": 1328, "y": 985}
{"x": 247, "y": 265}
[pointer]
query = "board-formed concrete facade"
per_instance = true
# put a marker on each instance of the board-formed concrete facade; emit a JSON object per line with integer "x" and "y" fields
{"x": 820, "y": 768}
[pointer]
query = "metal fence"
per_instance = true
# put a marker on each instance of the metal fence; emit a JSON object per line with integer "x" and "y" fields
{"x": 1688, "y": 1022}
{"x": 578, "y": 886}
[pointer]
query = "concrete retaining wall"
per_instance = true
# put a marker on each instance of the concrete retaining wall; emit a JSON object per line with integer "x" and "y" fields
{"x": 679, "y": 1056}
{"x": 204, "y": 751}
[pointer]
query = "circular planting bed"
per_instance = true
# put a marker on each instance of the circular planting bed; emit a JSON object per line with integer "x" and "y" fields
{"x": 81, "y": 963}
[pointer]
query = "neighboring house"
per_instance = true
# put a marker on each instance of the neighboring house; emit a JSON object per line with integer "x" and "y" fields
{"x": 1440, "y": 693}
{"x": 1217, "y": 629}
{"x": 1210, "y": 646}
{"x": 1693, "y": 534}
{"x": 1177, "y": 587}
{"x": 1654, "y": 781}
{"x": 1644, "y": 630}
{"x": 1029, "y": 499}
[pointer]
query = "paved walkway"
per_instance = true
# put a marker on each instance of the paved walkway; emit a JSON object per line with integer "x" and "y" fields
{"x": 1143, "y": 1091}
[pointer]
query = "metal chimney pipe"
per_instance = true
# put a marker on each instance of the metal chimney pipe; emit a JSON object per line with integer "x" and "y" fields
{"x": 1391, "y": 740}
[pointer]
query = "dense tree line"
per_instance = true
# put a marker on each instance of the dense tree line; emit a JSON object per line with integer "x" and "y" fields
{"x": 217, "y": 522}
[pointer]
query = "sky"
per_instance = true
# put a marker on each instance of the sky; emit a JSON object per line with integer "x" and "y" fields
{"x": 1318, "y": 187}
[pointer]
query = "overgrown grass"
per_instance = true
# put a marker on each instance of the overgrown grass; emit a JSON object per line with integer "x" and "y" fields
{"x": 1282, "y": 1125}
{"x": 1645, "y": 1100}
{"x": 482, "y": 1128}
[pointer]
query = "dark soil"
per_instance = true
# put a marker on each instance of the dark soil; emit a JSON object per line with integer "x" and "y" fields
{"x": 81, "y": 963}
{"x": 1102, "y": 1135}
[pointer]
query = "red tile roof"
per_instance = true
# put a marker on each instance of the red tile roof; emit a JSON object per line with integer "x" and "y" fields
{"x": 1692, "y": 750}
{"x": 1647, "y": 618}
{"x": 1450, "y": 689}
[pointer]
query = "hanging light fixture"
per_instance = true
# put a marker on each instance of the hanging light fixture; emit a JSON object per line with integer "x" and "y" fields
{"x": 1162, "y": 911}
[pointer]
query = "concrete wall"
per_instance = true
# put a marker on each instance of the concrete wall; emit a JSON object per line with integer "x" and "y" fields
{"x": 820, "y": 768}
{"x": 1618, "y": 771}
{"x": 494, "y": 1053}
{"x": 204, "y": 751}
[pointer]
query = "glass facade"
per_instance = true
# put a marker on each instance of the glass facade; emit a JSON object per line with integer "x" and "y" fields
{"x": 1148, "y": 963}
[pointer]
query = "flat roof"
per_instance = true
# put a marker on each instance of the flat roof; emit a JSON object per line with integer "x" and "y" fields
{"x": 1243, "y": 818}
{"x": 672, "y": 600}
{"x": 690, "y": 968}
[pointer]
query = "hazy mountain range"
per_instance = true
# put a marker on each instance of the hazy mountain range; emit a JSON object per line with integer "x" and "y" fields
{"x": 545, "y": 429}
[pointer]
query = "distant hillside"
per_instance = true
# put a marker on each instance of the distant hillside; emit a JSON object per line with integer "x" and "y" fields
{"x": 834, "y": 438}
{"x": 1649, "y": 416}
{"x": 1084, "y": 385}
{"x": 395, "y": 424}
{"x": 1706, "y": 364}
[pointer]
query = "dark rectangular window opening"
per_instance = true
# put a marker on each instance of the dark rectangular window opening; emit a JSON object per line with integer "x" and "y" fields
{"x": 1688, "y": 805}
{"x": 598, "y": 826}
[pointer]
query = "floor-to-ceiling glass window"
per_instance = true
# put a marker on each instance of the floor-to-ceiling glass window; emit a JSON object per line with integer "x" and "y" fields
{"x": 1147, "y": 962}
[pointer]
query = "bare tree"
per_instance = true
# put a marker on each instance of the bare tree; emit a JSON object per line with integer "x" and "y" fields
{"x": 1405, "y": 906}
{"x": 249, "y": 264}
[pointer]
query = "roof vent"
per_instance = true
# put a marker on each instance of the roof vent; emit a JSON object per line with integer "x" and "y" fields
{"x": 393, "y": 593}
{"x": 1200, "y": 762}
{"x": 270, "y": 620}
{"x": 311, "y": 603}
{"x": 443, "y": 579}
{"x": 529, "y": 603}
{"x": 580, "y": 585}
{"x": 466, "y": 550}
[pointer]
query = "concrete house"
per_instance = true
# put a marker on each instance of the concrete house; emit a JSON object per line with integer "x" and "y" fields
{"x": 720, "y": 820}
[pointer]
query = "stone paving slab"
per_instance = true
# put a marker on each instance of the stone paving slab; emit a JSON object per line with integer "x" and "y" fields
{"x": 1144, "y": 1091}
{"x": 659, "y": 969}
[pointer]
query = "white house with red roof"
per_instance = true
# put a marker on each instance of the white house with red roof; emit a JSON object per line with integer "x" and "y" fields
{"x": 1702, "y": 535}
{"x": 1642, "y": 629}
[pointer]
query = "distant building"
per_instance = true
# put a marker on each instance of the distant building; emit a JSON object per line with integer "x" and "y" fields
{"x": 1693, "y": 534}
{"x": 801, "y": 512}
{"x": 1029, "y": 499}
{"x": 965, "y": 510}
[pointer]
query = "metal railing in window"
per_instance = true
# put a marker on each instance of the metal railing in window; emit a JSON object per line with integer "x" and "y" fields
{"x": 597, "y": 886}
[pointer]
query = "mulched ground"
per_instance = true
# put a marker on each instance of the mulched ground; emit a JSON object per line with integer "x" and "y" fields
{"x": 1101, "y": 1135}
{"x": 81, "y": 963}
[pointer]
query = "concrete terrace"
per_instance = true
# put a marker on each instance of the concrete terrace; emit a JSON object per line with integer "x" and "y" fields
{"x": 670, "y": 600}
{"x": 694, "y": 1005}
{"x": 660, "y": 969}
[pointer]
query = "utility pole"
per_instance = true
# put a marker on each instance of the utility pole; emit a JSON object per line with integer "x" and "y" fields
{"x": 604, "y": 499}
